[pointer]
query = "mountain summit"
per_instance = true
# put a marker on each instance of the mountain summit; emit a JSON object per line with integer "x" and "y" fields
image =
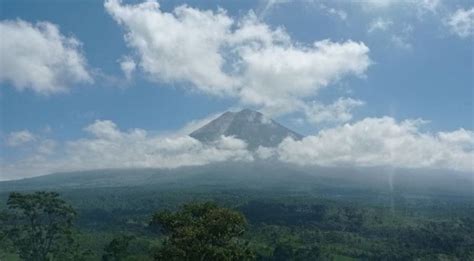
{"x": 248, "y": 125}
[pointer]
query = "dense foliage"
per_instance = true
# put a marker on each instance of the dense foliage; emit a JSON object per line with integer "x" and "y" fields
{"x": 266, "y": 224}
{"x": 202, "y": 232}
{"x": 40, "y": 226}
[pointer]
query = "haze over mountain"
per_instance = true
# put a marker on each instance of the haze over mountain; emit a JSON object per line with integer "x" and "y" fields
{"x": 257, "y": 130}
{"x": 269, "y": 175}
{"x": 248, "y": 125}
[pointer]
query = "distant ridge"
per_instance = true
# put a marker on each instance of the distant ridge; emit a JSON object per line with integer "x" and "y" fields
{"x": 248, "y": 125}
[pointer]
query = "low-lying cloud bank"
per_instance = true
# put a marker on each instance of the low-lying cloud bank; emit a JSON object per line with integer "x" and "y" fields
{"x": 109, "y": 147}
{"x": 383, "y": 142}
{"x": 369, "y": 142}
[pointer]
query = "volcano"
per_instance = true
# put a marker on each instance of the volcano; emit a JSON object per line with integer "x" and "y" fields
{"x": 248, "y": 125}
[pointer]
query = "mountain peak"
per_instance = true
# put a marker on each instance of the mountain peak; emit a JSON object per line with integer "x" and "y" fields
{"x": 247, "y": 111}
{"x": 248, "y": 125}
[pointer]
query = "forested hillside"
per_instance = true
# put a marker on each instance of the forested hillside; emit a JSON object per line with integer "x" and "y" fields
{"x": 277, "y": 222}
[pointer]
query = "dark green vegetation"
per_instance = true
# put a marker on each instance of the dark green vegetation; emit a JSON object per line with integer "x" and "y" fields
{"x": 39, "y": 226}
{"x": 202, "y": 232}
{"x": 268, "y": 212}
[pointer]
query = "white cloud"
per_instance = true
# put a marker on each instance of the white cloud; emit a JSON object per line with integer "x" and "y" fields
{"x": 182, "y": 46}
{"x": 109, "y": 147}
{"x": 376, "y": 3}
{"x": 196, "y": 124}
{"x": 128, "y": 66}
{"x": 247, "y": 59}
{"x": 333, "y": 11}
{"x": 265, "y": 152}
{"x": 461, "y": 22}
{"x": 19, "y": 138}
{"x": 104, "y": 129}
{"x": 379, "y": 24}
{"x": 46, "y": 147}
{"x": 136, "y": 148}
{"x": 388, "y": 18}
{"x": 230, "y": 143}
{"x": 268, "y": 5}
{"x": 401, "y": 42}
{"x": 429, "y": 5}
{"x": 421, "y": 6}
{"x": 340, "y": 13}
{"x": 338, "y": 112}
{"x": 369, "y": 142}
{"x": 38, "y": 57}
{"x": 278, "y": 77}
{"x": 382, "y": 142}
{"x": 461, "y": 137}
{"x": 390, "y": 9}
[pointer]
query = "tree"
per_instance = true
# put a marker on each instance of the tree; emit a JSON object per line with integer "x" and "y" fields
{"x": 41, "y": 226}
{"x": 6, "y": 245}
{"x": 202, "y": 232}
{"x": 117, "y": 249}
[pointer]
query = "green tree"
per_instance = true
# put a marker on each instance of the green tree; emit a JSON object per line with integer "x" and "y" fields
{"x": 202, "y": 232}
{"x": 6, "y": 245}
{"x": 41, "y": 226}
{"x": 117, "y": 249}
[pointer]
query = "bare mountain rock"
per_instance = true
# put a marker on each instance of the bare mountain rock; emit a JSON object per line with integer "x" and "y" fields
{"x": 248, "y": 125}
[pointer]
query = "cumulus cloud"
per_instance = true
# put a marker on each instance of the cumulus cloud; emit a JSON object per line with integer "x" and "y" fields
{"x": 461, "y": 22}
{"x": 106, "y": 130}
{"x": 265, "y": 152}
{"x": 382, "y": 142}
{"x": 338, "y": 112}
{"x": 180, "y": 46}
{"x": 461, "y": 137}
{"x": 38, "y": 57}
{"x": 19, "y": 138}
{"x": 214, "y": 53}
{"x": 279, "y": 77}
{"x": 110, "y": 147}
{"x": 369, "y": 142}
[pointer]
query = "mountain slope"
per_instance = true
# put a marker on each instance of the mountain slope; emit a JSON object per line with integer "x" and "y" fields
{"x": 260, "y": 175}
{"x": 248, "y": 125}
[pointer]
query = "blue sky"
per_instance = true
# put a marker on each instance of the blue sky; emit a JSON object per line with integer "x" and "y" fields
{"x": 411, "y": 60}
